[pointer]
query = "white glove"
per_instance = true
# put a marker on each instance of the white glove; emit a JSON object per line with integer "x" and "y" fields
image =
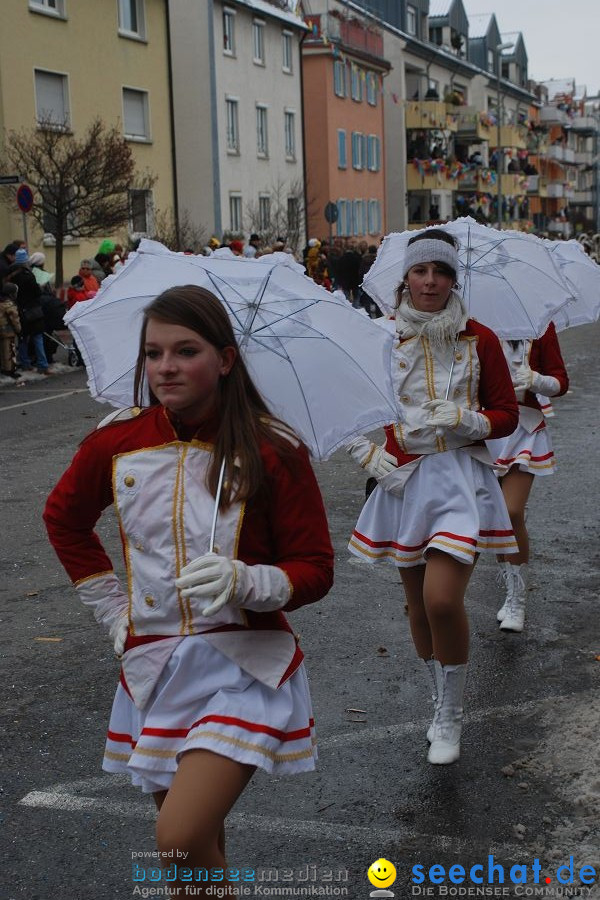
{"x": 118, "y": 633}
{"x": 527, "y": 379}
{"x": 375, "y": 460}
{"x": 222, "y": 580}
{"x": 465, "y": 422}
{"x": 110, "y": 606}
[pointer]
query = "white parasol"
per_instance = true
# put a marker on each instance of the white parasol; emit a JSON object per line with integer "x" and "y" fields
{"x": 320, "y": 366}
{"x": 582, "y": 275}
{"x": 509, "y": 280}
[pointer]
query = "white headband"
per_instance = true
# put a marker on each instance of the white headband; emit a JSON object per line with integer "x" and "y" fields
{"x": 430, "y": 250}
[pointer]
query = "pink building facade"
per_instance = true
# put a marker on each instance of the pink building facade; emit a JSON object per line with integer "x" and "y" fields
{"x": 343, "y": 70}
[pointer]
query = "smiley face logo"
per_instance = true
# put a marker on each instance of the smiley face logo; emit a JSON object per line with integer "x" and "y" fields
{"x": 381, "y": 873}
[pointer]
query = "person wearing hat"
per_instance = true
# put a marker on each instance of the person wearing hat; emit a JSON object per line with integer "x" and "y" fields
{"x": 30, "y": 312}
{"x": 89, "y": 279}
{"x": 43, "y": 278}
{"x": 253, "y": 245}
{"x": 236, "y": 247}
{"x": 437, "y": 504}
{"x": 10, "y": 328}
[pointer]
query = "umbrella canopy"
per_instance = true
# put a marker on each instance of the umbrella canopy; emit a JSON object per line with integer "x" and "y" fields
{"x": 510, "y": 281}
{"x": 582, "y": 275}
{"x": 320, "y": 366}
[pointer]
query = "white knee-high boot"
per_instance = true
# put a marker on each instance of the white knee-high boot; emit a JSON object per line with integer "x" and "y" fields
{"x": 447, "y": 725}
{"x": 503, "y": 580}
{"x": 434, "y": 671}
{"x": 514, "y": 618}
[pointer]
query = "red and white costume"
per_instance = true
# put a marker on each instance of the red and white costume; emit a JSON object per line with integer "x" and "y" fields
{"x": 233, "y": 683}
{"x": 530, "y": 447}
{"x": 444, "y": 494}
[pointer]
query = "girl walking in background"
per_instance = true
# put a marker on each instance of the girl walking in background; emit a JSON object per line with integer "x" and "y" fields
{"x": 437, "y": 504}
{"x": 535, "y": 367}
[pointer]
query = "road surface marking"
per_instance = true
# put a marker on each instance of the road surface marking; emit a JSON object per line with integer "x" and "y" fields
{"x": 61, "y": 799}
{"x": 45, "y": 399}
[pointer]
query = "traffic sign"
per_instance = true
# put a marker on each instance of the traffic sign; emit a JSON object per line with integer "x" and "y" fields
{"x": 24, "y": 198}
{"x": 10, "y": 179}
{"x": 331, "y": 212}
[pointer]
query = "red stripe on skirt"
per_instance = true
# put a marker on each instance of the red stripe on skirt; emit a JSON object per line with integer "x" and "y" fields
{"x": 448, "y": 534}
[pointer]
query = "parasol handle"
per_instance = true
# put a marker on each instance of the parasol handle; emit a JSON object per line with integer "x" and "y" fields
{"x": 439, "y": 432}
{"x": 213, "y": 527}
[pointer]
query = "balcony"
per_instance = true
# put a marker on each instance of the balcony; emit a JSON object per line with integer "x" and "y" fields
{"x": 557, "y": 152}
{"x": 473, "y": 124}
{"x": 430, "y": 114}
{"x": 583, "y": 198}
{"x": 556, "y": 189}
{"x": 551, "y": 115}
{"x": 559, "y": 228}
{"x": 584, "y": 123}
{"x": 429, "y": 181}
{"x": 512, "y": 184}
{"x": 583, "y": 157}
{"x": 533, "y": 184}
{"x": 350, "y": 32}
{"x": 513, "y": 136}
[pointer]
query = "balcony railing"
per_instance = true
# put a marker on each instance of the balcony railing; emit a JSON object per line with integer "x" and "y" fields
{"x": 556, "y": 189}
{"x": 551, "y": 115}
{"x": 430, "y": 114}
{"x": 559, "y": 228}
{"x": 557, "y": 151}
{"x": 473, "y": 124}
{"x": 583, "y": 157}
{"x": 583, "y": 198}
{"x": 584, "y": 123}
{"x": 349, "y": 32}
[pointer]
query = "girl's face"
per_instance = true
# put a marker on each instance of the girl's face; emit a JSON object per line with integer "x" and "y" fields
{"x": 183, "y": 369}
{"x": 429, "y": 287}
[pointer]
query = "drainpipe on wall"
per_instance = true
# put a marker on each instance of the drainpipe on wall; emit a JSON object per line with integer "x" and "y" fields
{"x": 300, "y": 66}
{"x": 172, "y": 123}
{"x": 213, "y": 120}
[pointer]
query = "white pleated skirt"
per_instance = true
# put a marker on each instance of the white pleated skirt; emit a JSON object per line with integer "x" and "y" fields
{"x": 530, "y": 452}
{"x": 203, "y": 700}
{"x": 451, "y": 503}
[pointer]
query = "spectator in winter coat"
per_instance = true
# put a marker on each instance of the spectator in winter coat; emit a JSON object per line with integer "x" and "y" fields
{"x": 89, "y": 279}
{"x": 10, "y": 328}
{"x": 30, "y": 312}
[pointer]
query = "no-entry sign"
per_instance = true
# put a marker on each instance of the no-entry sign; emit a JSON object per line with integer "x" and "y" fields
{"x": 24, "y": 198}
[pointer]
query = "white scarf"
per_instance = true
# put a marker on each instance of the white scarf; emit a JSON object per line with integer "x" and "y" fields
{"x": 440, "y": 328}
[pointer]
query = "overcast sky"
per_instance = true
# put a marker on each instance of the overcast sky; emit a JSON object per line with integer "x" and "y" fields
{"x": 561, "y": 36}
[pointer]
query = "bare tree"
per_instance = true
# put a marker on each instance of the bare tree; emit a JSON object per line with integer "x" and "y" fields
{"x": 80, "y": 184}
{"x": 279, "y": 212}
{"x": 182, "y": 235}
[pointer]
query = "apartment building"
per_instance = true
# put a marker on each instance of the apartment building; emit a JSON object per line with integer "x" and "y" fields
{"x": 70, "y": 62}
{"x": 343, "y": 75}
{"x": 238, "y": 116}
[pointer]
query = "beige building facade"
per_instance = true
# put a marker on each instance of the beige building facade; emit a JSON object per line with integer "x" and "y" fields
{"x": 75, "y": 61}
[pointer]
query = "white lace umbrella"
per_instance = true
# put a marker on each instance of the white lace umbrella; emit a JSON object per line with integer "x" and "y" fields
{"x": 582, "y": 275}
{"x": 509, "y": 280}
{"x": 321, "y": 366}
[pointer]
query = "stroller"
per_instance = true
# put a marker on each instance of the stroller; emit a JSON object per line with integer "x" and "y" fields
{"x": 56, "y": 334}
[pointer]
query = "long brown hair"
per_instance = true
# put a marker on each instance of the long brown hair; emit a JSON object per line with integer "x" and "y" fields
{"x": 244, "y": 418}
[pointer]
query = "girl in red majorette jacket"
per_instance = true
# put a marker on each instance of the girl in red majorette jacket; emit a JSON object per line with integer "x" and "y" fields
{"x": 437, "y": 503}
{"x": 536, "y": 367}
{"x": 212, "y": 679}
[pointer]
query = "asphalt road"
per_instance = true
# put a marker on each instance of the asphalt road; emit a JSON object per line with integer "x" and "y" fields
{"x": 527, "y": 785}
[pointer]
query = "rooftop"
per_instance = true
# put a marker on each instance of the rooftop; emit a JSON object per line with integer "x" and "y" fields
{"x": 479, "y": 24}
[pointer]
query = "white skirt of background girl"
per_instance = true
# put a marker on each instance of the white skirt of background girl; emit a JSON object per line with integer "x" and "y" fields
{"x": 450, "y": 502}
{"x": 531, "y": 451}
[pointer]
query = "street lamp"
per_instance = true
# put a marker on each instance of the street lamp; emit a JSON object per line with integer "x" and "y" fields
{"x": 499, "y": 155}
